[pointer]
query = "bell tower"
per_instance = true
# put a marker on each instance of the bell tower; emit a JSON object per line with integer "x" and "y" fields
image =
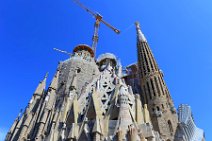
{"x": 156, "y": 95}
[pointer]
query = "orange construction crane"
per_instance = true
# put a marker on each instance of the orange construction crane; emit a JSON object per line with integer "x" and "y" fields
{"x": 99, "y": 19}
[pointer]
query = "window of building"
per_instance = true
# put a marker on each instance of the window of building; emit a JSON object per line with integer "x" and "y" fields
{"x": 149, "y": 92}
{"x": 157, "y": 87}
{"x": 162, "y": 106}
{"x": 170, "y": 126}
{"x": 153, "y": 88}
{"x": 158, "y": 108}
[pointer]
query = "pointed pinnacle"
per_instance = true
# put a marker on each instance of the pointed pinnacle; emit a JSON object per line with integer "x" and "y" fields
{"x": 140, "y": 35}
{"x": 41, "y": 86}
{"x": 45, "y": 78}
{"x": 19, "y": 114}
{"x": 54, "y": 82}
{"x": 47, "y": 74}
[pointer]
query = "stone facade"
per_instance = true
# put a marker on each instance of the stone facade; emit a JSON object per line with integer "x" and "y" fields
{"x": 93, "y": 100}
{"x": 155, "y": 91}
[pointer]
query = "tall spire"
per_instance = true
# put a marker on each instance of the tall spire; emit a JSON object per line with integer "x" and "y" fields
{"x": 145, "y": 56}
{"x": 32, "y": 111}
{"x": 48, "y": 105}
{"x": 51, "y": 93}
{"x": 13, "y": 127}
{"x": 154, "y": 89}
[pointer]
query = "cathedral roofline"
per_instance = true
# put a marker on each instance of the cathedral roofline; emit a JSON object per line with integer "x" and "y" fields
{"x": 106, "y": 56}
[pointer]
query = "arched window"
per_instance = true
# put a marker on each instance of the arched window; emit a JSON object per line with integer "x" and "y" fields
{"x": 162, "y": 106}
{"x": 170, "y": 126}
{"x": 157, "y": 87}
{"x": 149, "y": 91}
{"x": 158, "y": 108}
{"x": 153, "y": 87}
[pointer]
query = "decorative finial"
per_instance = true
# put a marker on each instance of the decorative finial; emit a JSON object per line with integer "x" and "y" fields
{"x": 140, "y": 35}
{"x": 19, "y": 114}
{"x": 47, "y": 74}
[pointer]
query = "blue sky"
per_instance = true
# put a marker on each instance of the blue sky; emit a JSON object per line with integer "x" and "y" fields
{"x": 179, "y": 33}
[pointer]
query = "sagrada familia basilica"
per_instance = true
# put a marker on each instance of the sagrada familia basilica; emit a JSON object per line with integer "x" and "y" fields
{"x": 93, "y": 99}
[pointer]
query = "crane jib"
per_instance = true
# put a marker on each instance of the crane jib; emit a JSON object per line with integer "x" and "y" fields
{"x": 99, "y": 19}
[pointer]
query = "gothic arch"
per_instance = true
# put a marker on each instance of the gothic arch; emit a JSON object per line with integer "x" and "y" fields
{"x": 170, "y": 127}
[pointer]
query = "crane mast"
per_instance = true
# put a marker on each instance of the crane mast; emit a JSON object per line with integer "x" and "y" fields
{"x": 98, "y": 20}
{"x": 95, "y": 35}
